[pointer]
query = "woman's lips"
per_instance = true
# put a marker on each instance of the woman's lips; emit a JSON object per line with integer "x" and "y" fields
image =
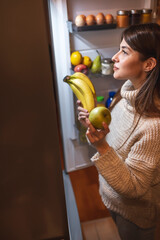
{"x": 115, "y": 68}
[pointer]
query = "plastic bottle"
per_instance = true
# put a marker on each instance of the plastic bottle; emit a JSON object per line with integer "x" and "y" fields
{"x": 110, "y": 98}
{"x": 100, "y": 101}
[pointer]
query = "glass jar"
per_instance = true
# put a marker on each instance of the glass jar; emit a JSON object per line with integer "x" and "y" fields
{"x": 100, "y": 101}
{"x": 122, "y": 18}
{"x": 146, "y": 15}
{"x": 135, "y": 16}
{"x": 107, "y": 66}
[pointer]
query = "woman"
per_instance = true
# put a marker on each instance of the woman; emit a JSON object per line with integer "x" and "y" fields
{"x": 128, "y": 151}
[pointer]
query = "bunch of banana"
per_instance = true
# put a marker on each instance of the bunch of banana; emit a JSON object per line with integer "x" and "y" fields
{"x": 83, "y": 88}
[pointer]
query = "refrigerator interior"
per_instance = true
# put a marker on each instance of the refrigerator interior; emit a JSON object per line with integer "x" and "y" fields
{"x": 77, "y": 154}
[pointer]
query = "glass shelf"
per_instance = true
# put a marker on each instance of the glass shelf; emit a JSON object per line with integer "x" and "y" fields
{"x": 72, "y": 28}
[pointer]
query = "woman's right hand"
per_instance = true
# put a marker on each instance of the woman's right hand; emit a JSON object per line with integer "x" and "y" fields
{"x": 83, "y": 114}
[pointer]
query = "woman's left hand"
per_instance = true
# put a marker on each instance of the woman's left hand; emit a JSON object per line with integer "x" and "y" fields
{"x": 97, "y": 137}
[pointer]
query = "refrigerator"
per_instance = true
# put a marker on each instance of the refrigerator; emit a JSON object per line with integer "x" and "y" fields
{"x": 36, "y": 195}
{"x": 38, "y": 123}
{"x": 65, "y": 41}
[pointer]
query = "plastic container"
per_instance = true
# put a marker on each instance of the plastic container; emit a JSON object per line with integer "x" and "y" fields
{"x": 107, "y": 66}
{"x": 122, "y": 18}
{"x": 135, "y": 16}
{"x": 100, "y": 101}
{"x": 110, "y": 98}
{"x": 146, "y": 15}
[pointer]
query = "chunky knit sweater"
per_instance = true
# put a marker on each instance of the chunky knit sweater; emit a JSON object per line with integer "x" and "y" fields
{"x": 129, "y": 174}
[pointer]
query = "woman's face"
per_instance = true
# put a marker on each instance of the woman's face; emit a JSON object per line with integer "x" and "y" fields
{"x": 127, "y": 65}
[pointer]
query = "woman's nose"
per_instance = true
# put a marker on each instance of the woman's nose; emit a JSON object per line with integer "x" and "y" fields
{"x": 115, "y": 57}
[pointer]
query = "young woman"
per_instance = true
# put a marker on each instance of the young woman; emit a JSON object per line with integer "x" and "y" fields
{"x": 128, "y": 151}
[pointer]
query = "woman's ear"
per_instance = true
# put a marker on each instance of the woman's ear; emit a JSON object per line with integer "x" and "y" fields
{"x": 150, "y": 63}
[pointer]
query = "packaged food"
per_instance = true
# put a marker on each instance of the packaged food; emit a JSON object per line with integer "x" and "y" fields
{"x": 122, "y": 18}
{"x": 146, "y": 15}
{"x": 135, "y": 16}
{"x": 107, "y": 66}
{"x": 100, "y": 101}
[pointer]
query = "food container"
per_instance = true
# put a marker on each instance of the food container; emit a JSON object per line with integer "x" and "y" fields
{"x": 135, "y": 16}
{"x": 146, "y": 15}
{"x": 100, "y": 101}
{"x": 122, "y": 18}
{"x": 107, "y": 66}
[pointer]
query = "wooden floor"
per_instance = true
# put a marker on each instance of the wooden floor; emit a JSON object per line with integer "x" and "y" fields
{"x": 92, "y": 212}
{"x": 85, "y": 187}
{"x": 100, "y": 229}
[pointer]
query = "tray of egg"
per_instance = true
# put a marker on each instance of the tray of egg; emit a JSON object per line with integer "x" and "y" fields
{"x": 92, "y": 22}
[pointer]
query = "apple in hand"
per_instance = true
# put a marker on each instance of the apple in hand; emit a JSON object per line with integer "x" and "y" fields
{"x": 81, "y": 68}
{"x": 99, "y": 115}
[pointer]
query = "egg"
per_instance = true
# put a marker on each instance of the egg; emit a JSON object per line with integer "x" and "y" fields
{"x": 90, "y": 20}
{"x": 100, "y": 18}
{"x": 80, "y": 20}
{"x": 84, "y": 17}
{"x": 109, "y": 18}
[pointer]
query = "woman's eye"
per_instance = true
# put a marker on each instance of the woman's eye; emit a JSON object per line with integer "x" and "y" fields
{"x": 124, "y": 52}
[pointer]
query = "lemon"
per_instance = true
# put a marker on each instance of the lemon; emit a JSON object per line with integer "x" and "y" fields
{"x": 87, "y": 61}
{"x": 76, "y": 58}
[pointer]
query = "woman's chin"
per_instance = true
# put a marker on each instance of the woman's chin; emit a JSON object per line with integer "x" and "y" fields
{"x": 118, "y": 77}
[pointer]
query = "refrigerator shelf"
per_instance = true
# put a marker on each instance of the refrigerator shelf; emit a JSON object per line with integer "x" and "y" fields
{"x": 93, "y": 75}
{"x": 74, "y": 29}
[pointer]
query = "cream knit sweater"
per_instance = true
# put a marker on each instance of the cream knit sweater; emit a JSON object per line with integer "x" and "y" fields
{"x": 128, "y": 177}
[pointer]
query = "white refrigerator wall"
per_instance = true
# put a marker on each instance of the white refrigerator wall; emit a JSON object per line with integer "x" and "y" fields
{"x": 107, "y": 42}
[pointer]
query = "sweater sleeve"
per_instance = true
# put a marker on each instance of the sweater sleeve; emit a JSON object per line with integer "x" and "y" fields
{"x": 133, "y": 176}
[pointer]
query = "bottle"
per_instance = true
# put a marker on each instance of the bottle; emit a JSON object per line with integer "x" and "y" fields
{"x": 122, "y": 18}
{"x": 100, "y": 101}
{"x": 135, "y": 16}
{"x": 109, "y": 99}
{"x": 107, "y": 66}
{"x": 146, "y": 15}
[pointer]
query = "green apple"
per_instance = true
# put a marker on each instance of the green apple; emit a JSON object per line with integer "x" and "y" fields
{"x": 99, "y": 115}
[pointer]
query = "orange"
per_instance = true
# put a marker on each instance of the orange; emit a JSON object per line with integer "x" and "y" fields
{"x": 76, "y": 58}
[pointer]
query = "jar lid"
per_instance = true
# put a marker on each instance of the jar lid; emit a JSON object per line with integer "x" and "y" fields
{"x": 100, "y": 98}
{"x": 107, "y": 60}
{"x": 146, "y": 10}
{"x": 122, "y": 12}
{"x": 136, "y": 11}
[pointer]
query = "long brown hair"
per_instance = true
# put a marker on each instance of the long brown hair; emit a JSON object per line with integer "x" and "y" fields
{"x": 145, "y": 39}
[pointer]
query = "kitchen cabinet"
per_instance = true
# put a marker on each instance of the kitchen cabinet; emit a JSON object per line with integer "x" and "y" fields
{"x": 107, "y": 42}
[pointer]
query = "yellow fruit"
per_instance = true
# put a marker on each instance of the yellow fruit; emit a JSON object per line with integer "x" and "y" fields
{"x": 87, "y": 61}
{"x": 76, "y": 58}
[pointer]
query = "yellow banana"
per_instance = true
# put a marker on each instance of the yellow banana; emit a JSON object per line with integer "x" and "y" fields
{"x": 83, "y": 88}
{"x": 83, "y": 77}
{"x": 78, "y": 94}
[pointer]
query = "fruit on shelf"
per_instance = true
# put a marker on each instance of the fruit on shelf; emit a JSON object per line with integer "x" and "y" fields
{"x": 82, "y": 90}
{"x": 81, "y": 68}
{"x": 100, "y": 18}
{"x": 98, "y": 115}
{"x": 80, "y": 20}
{"x": 76, "y": 58}
{"x": 90, "y": 20}
{"x": 96, "y": 65}
{"x": 87, "y": 61}
{"x": 109, "y": 18}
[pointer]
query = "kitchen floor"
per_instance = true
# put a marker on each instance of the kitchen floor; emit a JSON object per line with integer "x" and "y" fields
{"x": 100, "y": 229}
{"x": 96, "y": 223}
